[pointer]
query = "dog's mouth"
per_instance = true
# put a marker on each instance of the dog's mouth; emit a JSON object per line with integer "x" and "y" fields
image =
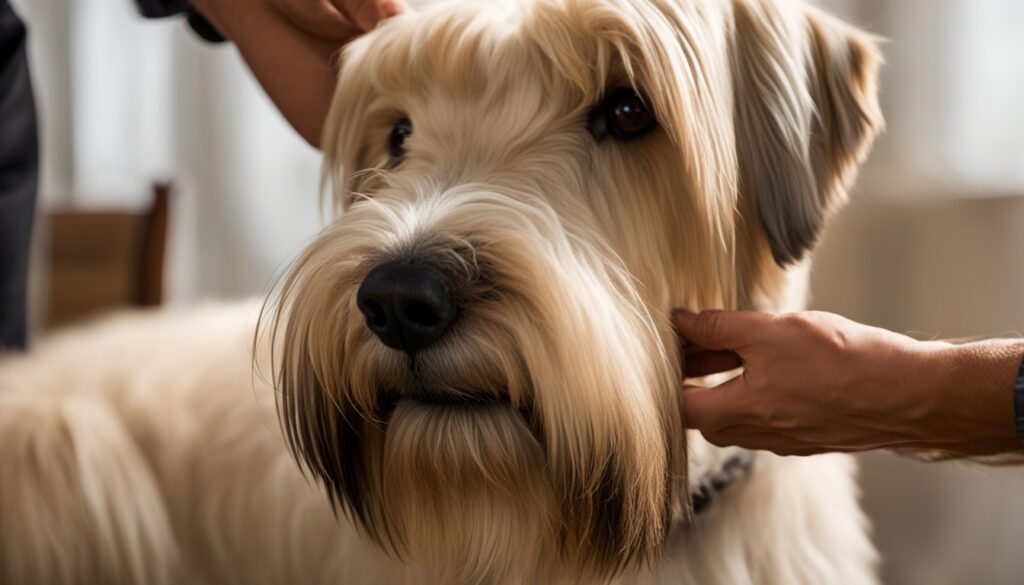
{"x": 390, "y": 398}
{"x": 472, "y": 403}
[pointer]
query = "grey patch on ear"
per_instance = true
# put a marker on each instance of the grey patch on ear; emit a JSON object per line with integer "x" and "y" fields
{"x": 806, "y": 115}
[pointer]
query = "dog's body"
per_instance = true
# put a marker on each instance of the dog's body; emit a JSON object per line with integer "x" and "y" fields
{"x": 558, "y": 175}
{"x": 166, "y": 464}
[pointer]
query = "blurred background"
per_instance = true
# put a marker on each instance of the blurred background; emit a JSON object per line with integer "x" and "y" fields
{"x": 932, "y": 243}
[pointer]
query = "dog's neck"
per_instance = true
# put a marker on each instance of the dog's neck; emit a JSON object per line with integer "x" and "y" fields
{"x": 714, "y": 483}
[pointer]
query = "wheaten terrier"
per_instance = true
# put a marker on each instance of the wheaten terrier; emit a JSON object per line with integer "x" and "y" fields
{"x": 469, "y": 376}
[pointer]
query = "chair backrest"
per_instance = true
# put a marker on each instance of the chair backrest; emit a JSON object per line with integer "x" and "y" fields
{"x": 104, "y": 260}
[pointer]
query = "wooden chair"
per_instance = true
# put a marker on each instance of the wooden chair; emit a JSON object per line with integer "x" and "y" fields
{"x": 101, "y": 261}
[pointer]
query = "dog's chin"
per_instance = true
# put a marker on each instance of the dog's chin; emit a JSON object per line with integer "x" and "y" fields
{"x": 463, "y": 486}
{"x": 457, "y": 425}
{"x": 464, "y": 413}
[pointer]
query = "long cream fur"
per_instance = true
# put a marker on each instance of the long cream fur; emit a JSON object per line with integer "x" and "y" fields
{"x": 146, "y": 449}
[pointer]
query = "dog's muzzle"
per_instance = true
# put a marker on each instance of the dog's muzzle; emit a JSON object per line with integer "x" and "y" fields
{"x": 407, "y": 306}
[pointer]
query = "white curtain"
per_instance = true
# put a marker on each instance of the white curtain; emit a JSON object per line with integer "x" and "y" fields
{"x": 125, "y": 101}
{"x": 932, "y": 243}
{"x": 952, "y": 91}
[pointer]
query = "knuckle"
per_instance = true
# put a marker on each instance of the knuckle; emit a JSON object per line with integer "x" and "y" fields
{"x": 801, "y": 322}
{"x": 707, "y": 324}
{"x": 813, "y": 326}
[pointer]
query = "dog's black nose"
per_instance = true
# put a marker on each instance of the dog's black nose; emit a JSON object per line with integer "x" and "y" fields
{"x": 407, "y": 306}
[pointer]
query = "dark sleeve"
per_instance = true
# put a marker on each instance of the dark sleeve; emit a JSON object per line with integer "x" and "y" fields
{"x": 1018, "y": 402}
{"x": 19, "y": 172}
{"x": 165, "y": 8}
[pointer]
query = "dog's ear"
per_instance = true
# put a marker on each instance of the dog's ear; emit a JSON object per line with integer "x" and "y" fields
{"x": 806, "y": 114}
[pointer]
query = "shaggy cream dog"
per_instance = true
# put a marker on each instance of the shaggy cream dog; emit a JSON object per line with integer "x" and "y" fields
{"x": 473, "y": 363}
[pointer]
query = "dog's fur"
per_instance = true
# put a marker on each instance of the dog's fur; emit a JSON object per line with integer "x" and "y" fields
{"x": 144, "y": 449}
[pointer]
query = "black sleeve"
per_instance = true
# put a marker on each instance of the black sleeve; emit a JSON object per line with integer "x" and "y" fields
{"x": 164, "y": 8}
{"x": 1018, "y": 402}
{"x": 19, "y": 173}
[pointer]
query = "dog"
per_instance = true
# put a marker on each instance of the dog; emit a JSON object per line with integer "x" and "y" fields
{"x": 469, "y": 376}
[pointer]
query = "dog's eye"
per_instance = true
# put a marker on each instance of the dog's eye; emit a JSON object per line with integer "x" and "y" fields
{"x": 622, "y": 114}
{"x": 396, "y": 140}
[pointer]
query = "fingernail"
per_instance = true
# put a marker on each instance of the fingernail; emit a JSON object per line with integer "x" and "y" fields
{"x": 682, "y": 313}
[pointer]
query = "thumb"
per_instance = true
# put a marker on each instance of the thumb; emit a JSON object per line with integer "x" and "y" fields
{"x": 720, "y": 330}
{"x": 711, "y": 409}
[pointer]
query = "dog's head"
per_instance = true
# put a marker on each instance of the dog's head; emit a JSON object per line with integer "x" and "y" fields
{"x": 475, "y": 358}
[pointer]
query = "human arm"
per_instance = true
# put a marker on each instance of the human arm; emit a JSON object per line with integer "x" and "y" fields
{"x": 290, "y": 46}
{"x": 816, "y": 382}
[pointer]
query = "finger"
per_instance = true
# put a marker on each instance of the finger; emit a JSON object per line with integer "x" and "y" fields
{"x": 707, "y": 362}
{"x": 756, "y": 438}
{"x": 318, "y": 18}
{"x": 365, "y": 14}
{"x": 712, "y": 409}
{"x": 729, "y": 330}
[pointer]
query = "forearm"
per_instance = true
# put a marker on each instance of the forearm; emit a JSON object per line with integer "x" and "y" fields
{"x": 817, "y": 382}
{"x": 972, "y": 397}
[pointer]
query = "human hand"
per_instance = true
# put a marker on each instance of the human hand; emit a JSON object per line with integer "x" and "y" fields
{"x": 290, "y": 46}
{"x": 817, "y": 382}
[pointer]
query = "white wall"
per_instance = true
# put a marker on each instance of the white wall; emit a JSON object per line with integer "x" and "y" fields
{"x": 933, "y": 244}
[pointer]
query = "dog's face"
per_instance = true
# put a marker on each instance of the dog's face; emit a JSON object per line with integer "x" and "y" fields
{"x": 475, "y": 358}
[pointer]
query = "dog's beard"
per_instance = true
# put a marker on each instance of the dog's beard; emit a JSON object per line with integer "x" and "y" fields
{"x": 570, "y": 454}
{"x": 540, "y": 436}
{"x": 462, "y": 489}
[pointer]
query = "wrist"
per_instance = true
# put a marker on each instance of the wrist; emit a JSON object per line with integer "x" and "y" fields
{"x": 974, "y": 397}
{"x": 924, "y": 371}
